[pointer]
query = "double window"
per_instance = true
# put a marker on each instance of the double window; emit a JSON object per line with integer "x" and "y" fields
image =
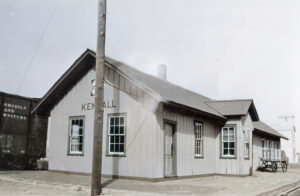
{"x": 76, "y": 133}
{"x": 116, "y": 135}
{"x": 270, "y": 149}
{"x": 228, "y": 141}
{"x": 198, "y": 139}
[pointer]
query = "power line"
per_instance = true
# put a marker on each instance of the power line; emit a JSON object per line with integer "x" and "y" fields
{"x": 38, "y": 45}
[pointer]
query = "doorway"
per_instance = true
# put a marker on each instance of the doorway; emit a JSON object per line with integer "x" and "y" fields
{"x": 169, "y": 150}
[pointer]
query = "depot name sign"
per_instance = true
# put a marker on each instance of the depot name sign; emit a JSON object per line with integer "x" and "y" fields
{"x": 90, "y": 106}
{"x": 9, "y": 111}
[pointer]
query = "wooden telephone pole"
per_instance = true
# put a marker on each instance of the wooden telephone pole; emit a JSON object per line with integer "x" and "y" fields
{"x": 99, "y": 96}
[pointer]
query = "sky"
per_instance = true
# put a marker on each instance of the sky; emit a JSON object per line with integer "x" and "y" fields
{"x": 223, "y": 49}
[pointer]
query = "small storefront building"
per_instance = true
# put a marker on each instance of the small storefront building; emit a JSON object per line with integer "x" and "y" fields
{"x": 152, "y": 128}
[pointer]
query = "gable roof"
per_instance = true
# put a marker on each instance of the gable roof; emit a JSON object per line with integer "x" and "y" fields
{"x": 167, "y": 92}
{"x": 235, "y": 108}
{"x": 262, "y": 127}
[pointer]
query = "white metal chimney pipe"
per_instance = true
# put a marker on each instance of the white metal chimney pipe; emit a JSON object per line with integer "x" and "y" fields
{"x": 162, "y": 72}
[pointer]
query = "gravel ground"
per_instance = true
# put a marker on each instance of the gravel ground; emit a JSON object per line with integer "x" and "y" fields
{"x": 40, "y": 183}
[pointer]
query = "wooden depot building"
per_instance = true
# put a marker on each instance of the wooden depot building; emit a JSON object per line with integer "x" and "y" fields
{"x": 152, "y": 128}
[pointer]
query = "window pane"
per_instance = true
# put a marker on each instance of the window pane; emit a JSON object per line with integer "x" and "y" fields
{"x": 122, "y": 139}
{"x": 111, "y": 130}
{"x": 112, "y": 121}
{"x": 117, "y": 121}
{"x": 117, "y": 130}
{"x": 225, "y": 138}
{"x": 117, "y": 139}
{"x": 231, "y": 138}
{"x": 231, "y": 151}
{"x": 121, "y": 147}
{"x": 81, "y": 123}
{"x": 225, "y": 131}
{"x": 112, "y": 148}
{"x": 117, "y": 148}
{"x": 112, "y": 139}
{"x": 225, "y": 151}
{"x": 225, "y": 144}
{"x": 121, "y": 120}
{"x": 231, "y": 144}
{"x": 77, "y": 122}
{"x": 121, "y": 130}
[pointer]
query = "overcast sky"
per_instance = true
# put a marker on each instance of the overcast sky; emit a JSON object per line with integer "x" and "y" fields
{"x": 223, "y": 49}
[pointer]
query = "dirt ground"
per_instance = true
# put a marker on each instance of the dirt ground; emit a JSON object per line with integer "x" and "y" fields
{"x": 41, "y": 183}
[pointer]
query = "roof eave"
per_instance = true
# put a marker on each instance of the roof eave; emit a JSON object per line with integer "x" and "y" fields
{"x": 280, "y": 136}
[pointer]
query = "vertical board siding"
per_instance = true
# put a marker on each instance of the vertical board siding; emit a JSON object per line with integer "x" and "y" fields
{"x": 141, "y": 126}
{"x": 144, "y": 134}
{"x": 187, "y": 164}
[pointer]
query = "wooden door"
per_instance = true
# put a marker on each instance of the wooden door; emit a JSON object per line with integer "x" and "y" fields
{"x": 169, "y": 150}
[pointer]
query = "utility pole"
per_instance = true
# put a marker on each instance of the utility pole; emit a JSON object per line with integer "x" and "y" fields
{"x": 99, "y": 94}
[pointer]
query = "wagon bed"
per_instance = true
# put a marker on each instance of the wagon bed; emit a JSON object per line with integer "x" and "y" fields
{"x": 273, "y": 164}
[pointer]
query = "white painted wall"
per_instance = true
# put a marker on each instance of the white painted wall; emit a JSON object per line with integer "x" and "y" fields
{"x": 141, "y": 121}
{"x": 227, "y": 165}
{"x": 187, "y": 164}
{"x": 144, "y": 135}
{"x": 257, "y": 151}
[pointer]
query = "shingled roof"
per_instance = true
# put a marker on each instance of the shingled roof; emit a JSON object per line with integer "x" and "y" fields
{"x": 167, "y": 92}
{"x": 262, "y": 127}
{"x": 235, "y": 108}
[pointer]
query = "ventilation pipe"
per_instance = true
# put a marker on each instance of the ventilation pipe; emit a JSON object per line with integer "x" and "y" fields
{"x": 162, "y": 72}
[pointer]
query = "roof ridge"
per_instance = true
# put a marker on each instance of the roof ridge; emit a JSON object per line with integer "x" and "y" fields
{"x": 230, "y": 100}
{"x": 161, "y": 80}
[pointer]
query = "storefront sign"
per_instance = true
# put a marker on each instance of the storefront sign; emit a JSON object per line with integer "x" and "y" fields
{"x": 9, "y": 111}
{"x": 90, "y": 106}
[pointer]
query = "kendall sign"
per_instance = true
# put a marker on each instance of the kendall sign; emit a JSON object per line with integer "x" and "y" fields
{"x": 90, "y": 106}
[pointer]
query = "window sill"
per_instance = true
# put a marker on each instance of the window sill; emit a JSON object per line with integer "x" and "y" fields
{"x": 198, "y": 157}
{"x": 75, "y": 154}
{"x": 115, "y": 155}
{"x": 228, "y": 157}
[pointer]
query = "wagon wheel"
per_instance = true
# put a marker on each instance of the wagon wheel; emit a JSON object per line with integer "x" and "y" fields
{"x": 284, "y": 166}
{"x": 274, "y": 167}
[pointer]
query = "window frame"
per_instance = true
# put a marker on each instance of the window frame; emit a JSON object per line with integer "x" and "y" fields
{"x": 247, "y": 144}
{"x": 199, "y": 139}
{"x": 247, "y": 151}
{"x": 263, "y": 147}
{"x": 116, "y": 154}
{"x": 278, "y": 150}
{"x": 74, "y": 153}
{"x": 234, "y": 126}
